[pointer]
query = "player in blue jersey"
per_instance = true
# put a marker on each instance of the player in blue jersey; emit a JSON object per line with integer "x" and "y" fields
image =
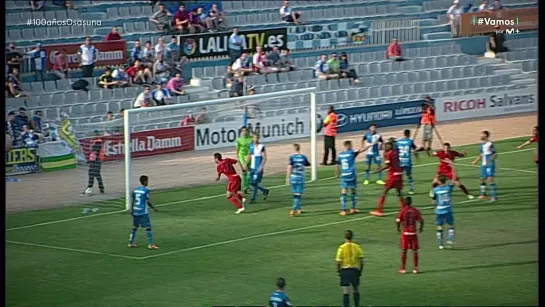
{"x": 442, "y": 197}
{"x": 295, "y": 176}
{"x": 346, "y": 170}
{"x": 406, "y": 147}
{"x": 140, "y": 214}
{"x": 488, "y": 167}
{"x": 279, "y": 298}
{"x": 258, "y": 158}
{"x": 373, "y": 139}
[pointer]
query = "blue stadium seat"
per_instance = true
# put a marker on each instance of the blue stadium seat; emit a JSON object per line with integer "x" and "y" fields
{"x": 37, "y": 87}
{"x": 50, "y": 86}
{"x": 70, "y": 97}
{"x": 28, "y": 33}
{"x": 77, "y": 111}
{"x": 58, "y": 99}
{"x": 82, "y": 97}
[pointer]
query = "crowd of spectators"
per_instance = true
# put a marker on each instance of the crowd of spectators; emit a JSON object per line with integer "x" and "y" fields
{"x": 185, "y": 21}
{"x": 456, "y": 10}
{"x": 334, "y": 68}
{"x": 24, "y": 130}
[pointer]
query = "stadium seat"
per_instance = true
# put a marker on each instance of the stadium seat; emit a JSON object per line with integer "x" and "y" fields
{"x": 50, "y": 86}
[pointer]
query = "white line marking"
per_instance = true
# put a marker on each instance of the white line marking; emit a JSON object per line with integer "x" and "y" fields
{"x": 210, "y": 197}
{"x": 72, "y": 250}
{"x": 280, "y": 232}
{"x": 501, "y": 168}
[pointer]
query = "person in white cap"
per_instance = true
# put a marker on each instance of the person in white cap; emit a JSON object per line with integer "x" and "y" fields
{"x": 453, "y": 14}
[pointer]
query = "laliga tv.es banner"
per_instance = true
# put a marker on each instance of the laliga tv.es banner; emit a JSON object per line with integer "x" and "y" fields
{"x": 383, "y": 115}
{"x": 270, "y": 129}
{"x": 217, "y": 44}
{"x": 487, "y": 104}
{"x": 110, "y": 53}
{"x": 144, "y": 143}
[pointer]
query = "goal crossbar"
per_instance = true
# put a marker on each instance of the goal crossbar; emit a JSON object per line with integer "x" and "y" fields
{"x": 129, "y": 112}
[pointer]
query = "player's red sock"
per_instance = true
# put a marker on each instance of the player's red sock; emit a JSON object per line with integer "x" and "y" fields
{"x": 239, "y": 196}
{"x": 235, "y": 202}
{"x": 402, "y": 202}
{"x": 403, "y": 259}
{"x": 381, "y": 201}
{"x": 464, "y": 189}
{"x": 415, "y": 259}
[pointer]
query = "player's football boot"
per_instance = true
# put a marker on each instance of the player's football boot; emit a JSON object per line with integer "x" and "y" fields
{"x": 354, "y": 211}
{"x": 482, "y": 197}
{"x": 402, "y": 271}
{"x": 415, "y": 271}
{"x": 246, "y": 191}
{"x": 449, "y": 243}
{"x": 299, "y": 212}
{"x": 493, "y": 199}
{"x": 131, "y": 245}
{"x": 366, "y": 182}
{"x": 239, "y": 211}
{"x": 265, "y": 194}
{"x": 153, "y": 246}
{"x": 411, "y": 192}
{"x": 376, "y": 213}
{"x": 381, "y": 182}
{"x": 441, "y": 247}
{"x": 292, "y": 212}
{"x": 244, "y": 202}
{"x": 431, "y": 193}
{"x": 343, "y": 213}
{"x": 470, "y": 197}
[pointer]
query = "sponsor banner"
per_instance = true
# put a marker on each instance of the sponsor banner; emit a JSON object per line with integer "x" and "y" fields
{"x": 56, "y": 156}
{"x": 145, "y": 143}
{"x": 110, "y": 53}
{"x": 22, "y": 160}
{"x": 507, "y": 19}
{"x": 326, "y": 35}
{"x": 216, "y": 44}
{"x": 383, "y": 115}
{"x": 270, "y": 129}
{"x": 486, "y": 104}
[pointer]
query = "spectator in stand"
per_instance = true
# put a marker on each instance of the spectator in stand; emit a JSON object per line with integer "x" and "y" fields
{"x": 190, "y": 120}
{"x": 453, "y": 14}
{"x": 346, "y": 72}
{"x": 14, "y": 59}
{"x": 235, "y": 46}
{"x": 36, "y": 121}
{"x": 206, "y": 20}
{"x": 496, "y": 42}
{"x": 274, "y": 56}
{"x": 161, "y": 47}
{"x": 394, "y": 52}
{"x": 161, "y": 70}
{"x": 22, "y": 119}
{"x": 201, "y": 118}
{"x": 136, "y": 53}
{"x": 288, "y": 15}
{"x": 321, "y": 69}
{"x": 113, "y": 35}
{"x": 182, "y": 21}
{"x": 60, "y": 65}
{"x": 121, "y": 76}
{"x": 109, "y": 127}
{"x": 148, "y": 56}
{"x": 219, "y": 16}
{"x": 144, "y": 99}
{"x": 496, "y": 5}
{"x": 12, "y": 128}
{"x": 260, "y": 62}
{"x": 175, "y": 85}
{"x": 37, "y": 5}
{"x": 195, "y": 22}
{"x": 333, "y": 65}
{"x": 243, "y": 65}
{"x": 38, "y": 56}
{"x": 172, "y": 51}
{"x": 161, "y": 96}
{"x": 285, "y": 63}
{"x": 106, "y": 80}
{"x": 14, "y": 85}
{"x": 484, "y": 6}
{"x": 28, "y": 136}
{"x": 229, "y": 77}
{"x": 237, "y": 89}
{"x": 161, "y": 18}
{"x": 139, "y": 74}
{"x": 88, "y": 56}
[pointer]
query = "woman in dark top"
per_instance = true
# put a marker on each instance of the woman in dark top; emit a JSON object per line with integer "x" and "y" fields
{"x": 345, "y": 71}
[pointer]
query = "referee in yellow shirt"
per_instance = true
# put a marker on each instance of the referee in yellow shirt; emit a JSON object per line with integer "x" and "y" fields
{"x": 350, "y": 265}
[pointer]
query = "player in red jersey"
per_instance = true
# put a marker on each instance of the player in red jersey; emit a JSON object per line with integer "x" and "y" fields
{"x": 534, "y": 139}
{"x": 394, "y": 180}
{"x": 407, "y": 217}
{"x": 225, "y": 166}
{"x": 446, "y": 159}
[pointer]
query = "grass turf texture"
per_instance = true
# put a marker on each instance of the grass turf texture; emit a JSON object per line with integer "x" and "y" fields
{"x": 495, "y": 262}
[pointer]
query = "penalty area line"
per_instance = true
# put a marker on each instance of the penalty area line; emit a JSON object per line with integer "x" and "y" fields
{"x": 75, "y": 250}
{"x": 215, "y": 196}
{"x": 506, "y": 169}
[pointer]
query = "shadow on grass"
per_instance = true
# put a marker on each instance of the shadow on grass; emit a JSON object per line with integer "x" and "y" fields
{"x": 499, "y": 244}
{"x": 485, "y": 266}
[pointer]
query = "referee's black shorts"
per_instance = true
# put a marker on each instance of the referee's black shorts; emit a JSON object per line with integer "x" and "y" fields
{"x": 349, "y": 277}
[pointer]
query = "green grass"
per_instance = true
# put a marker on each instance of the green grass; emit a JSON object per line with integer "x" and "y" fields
{"x": 495, "y": 262}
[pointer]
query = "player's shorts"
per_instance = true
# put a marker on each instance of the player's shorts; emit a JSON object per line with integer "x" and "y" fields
{"x": 256, "y": 177}
{"x": 244, "y": 160}
{"x": 440, "y": 219}
{"x": 349, "y": 183}
{"x": 298, "y": 187}
{"x": 350, "y": 277}
{"x": 428, "y": 133}
{"x": 234, "y": 184}
{"x": 394, "y": 182}
{"x": 488, "y": 171}
{"x": 409, "y": 241}
{"x": 373, "y": 158}
{"x": 449, "y": 175}
{"x": 408, "y": 170}
{"x": 141, "y": 221}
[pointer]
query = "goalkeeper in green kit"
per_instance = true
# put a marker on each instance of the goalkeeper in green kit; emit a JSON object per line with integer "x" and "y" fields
{"x": 243, "y": 149}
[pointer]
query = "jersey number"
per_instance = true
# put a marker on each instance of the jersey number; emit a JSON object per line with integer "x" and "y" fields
{"x": 443, "y": 198}
{"x": 344, "y": 165}
{"x": 404, "y": 151}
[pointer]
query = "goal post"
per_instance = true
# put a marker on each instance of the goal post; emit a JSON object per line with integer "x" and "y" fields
{"x": 272, "y": 109}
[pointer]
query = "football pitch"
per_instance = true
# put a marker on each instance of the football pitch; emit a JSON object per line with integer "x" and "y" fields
{"x": 211, "y": 257}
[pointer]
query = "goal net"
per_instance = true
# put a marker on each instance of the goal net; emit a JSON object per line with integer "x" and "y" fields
{"x": 174, "y": 144}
